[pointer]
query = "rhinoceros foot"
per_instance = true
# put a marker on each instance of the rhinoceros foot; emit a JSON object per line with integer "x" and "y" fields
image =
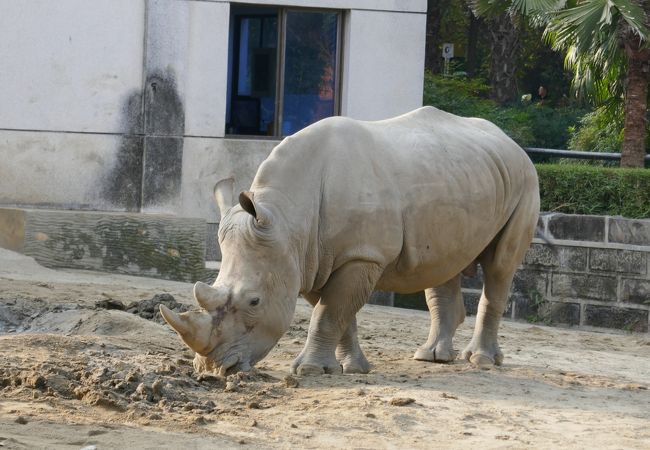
{"x": 354, "y": 363}
{"x": 441, "y": 352}
{"x": 483, "y": 356}
{"x": 307, "y": 366}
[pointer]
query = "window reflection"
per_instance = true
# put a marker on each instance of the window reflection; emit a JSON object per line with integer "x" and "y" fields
{"x": 309, "y": 41}
{"x": 310, "y": 69}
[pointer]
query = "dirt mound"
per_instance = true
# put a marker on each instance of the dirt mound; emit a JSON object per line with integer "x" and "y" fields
{"x": 147, "y": 309}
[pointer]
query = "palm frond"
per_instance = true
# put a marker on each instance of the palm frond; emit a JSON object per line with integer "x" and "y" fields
{"x": 489, "y": 8}
{"x": 527, "y": 7}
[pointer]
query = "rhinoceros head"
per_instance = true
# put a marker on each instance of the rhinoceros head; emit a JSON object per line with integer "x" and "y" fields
{"x": 251, "y": 303}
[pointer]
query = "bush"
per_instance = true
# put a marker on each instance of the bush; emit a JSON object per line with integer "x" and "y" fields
{"x": 533, "y": 125}
{"x": 578, "y": 189}
{"x": 599, "y": 131}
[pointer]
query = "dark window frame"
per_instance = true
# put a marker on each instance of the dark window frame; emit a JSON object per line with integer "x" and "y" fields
{"x": 282, "y": 12}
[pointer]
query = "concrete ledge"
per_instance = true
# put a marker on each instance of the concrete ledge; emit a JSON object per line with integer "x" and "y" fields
{"x": 136, "y": 244}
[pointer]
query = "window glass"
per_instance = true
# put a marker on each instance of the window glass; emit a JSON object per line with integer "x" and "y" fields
{"x": 253, "y": 105}
{"x": 309, "y": 68}
{"x": 282, "y": 69}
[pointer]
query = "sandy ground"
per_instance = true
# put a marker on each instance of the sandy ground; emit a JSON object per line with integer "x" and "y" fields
{"x": 74, "y": 374}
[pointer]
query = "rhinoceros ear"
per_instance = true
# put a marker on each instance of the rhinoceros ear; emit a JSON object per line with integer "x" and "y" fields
{"x": 248, "y": 204}
{"x": 223, "y": 195}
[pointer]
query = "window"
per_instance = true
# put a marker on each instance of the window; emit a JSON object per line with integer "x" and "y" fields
{"x": 282, "y": 69}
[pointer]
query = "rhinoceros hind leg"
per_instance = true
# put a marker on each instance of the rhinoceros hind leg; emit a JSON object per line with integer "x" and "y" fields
{"x": 499, "y": 262}
{"x": 447, "y": 311}
{"x": 343, "y": 295}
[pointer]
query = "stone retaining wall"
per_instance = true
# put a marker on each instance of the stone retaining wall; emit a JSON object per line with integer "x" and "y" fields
{"x": 596, "y": 274}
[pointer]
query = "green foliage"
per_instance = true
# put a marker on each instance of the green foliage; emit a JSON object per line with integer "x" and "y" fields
{"x": 533, "y": 125}
{"x": 602, "y": 131}
{"x": 599, "y": 131}
{"x": 578, "y": 189}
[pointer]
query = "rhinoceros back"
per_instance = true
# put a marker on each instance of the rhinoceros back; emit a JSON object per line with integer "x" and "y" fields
{"x": 421, "y": 194}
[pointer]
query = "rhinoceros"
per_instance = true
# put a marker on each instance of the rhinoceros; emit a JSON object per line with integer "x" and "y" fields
{"x": 344, "y": 207}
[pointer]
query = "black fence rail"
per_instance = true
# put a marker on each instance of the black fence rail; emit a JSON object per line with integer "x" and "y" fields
{"x": 533, "y": 151}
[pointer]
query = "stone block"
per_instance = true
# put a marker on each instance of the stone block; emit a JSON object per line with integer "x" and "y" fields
{"x": 537, "y": 309}
{"x": 566, "y": 313}
{"x": 135, "y": 244}
{"x": 613, "y": 317}
{"x": 415, "y": 300}
{"x": 629, "y": 231}
{"x": 212, "y": 249}
{"x": 635, "y": 291}
{"x": 564, "y": 257}
{"x": 475, "y": 282}
{"x": 507, "y": 313}
{"x": 471, "y": 299}
{"x": 610, "y": 260}
{"x": 595, "y": 287}
{"x": 577, "y": 227}
{"x": 541, "y": 255}
{"x": 540, "y": 231}
{"x": 382, "y": 298}
{"x": 12, "y": 229}
{"x": 530, "y": 283}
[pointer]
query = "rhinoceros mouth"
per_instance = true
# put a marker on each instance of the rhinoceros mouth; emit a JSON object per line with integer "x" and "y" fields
{"x": 229, "y": 365}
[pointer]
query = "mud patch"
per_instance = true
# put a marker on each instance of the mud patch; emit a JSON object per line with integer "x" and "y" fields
{"x": 150, "y": 309}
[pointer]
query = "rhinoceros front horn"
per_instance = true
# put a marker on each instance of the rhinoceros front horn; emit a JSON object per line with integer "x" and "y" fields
{"x": 194, "y": 327}
{"x": 208, "y": 297}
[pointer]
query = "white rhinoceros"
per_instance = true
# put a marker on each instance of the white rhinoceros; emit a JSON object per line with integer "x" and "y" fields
{"x": 344, "y": 207}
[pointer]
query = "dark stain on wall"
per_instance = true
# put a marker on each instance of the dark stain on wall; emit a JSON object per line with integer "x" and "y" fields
{"x": 148, "y": 167}
{"x": 164, "y": 112}
{"x": 122, "y": 185}
{"x": 164, "y": 127}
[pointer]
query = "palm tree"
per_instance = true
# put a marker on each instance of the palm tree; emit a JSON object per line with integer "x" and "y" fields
{"x": 504, "y": 56}
{"x": 503, "y": 19}
{"x": 606, "y": 43}
{"x": 607, "y": 46}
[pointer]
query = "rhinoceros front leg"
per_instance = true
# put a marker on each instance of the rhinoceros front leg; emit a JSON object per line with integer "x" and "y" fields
{"x": 447, "y": 311}
{"x": 333, "y": 322}
{"x": 348, "y": 351}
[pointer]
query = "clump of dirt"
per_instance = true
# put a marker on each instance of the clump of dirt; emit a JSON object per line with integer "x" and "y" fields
{"x": 18, "y": 314}
{"x": 147, "y": 309}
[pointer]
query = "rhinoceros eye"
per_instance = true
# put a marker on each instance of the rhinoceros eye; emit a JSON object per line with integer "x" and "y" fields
{"x": 255, "y": 301}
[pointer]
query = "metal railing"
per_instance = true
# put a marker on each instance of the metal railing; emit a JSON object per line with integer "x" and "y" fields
{"x": 533, "y": 151}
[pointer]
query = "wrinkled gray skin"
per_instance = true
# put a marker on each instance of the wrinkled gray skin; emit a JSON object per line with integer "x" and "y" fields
{"x": 344, "y": 207}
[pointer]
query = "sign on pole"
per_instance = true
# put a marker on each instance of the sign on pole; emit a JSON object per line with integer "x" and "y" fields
{"x": 447, "y": 53}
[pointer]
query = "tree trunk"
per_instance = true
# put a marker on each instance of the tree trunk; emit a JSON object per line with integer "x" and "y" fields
{"x": 504, "y": 52}
{"x": 474, "y": 28}
{"x": 436, "y": 9}
{"x": 636, "y": 103}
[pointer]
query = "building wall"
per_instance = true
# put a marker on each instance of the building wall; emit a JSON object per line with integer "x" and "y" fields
{"x": 119, "y": 105}
{"x": 383, "y": 74}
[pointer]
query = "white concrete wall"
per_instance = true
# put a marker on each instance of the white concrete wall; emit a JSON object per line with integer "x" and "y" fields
{"x": 50, "y": 169}
{"x": 81, "y": 124}
{"x": 208, "y": 161}
{"x": 207, "y": 71}
{"x": 383, "y": 66}
{"x": 68, "y": 65}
